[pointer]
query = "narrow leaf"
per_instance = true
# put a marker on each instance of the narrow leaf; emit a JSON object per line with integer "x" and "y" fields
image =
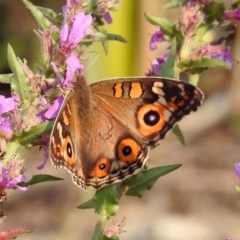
{"x": 38, "y": 179}
{"x": 48, "y": 12}
{"x": 87, "y": 205}
{"x": 20, "y": 82}
{"x": 145, "y": 180}
{"x": 26, "y": 138}
{"x": 178, "y": 133}
{"x": 101, "y": 36}
{"x": 43, "y": 22}
{"x": 174, "y": 4}
{"x": 167, "y": 69}
{"x": 202, "y": 64}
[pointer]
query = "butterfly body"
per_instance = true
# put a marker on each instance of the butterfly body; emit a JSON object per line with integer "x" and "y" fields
{"x": 104, "y": 130}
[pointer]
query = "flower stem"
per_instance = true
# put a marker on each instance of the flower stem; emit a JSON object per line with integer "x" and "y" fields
{"x": 99, "y": 228}
{"x": 193, "y": 79}
{"x": 10, "y": 152}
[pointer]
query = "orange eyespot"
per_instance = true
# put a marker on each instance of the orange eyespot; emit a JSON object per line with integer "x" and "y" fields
{"x": 68, "y": 150}
{"x": 151, "y": 119}
{"x": 128, "y": 150}
{"x": 177, "y": 101}
{"x": 100, "y": 169}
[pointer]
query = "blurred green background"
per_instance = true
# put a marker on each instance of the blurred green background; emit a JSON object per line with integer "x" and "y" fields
{"x": 197, "y": 201}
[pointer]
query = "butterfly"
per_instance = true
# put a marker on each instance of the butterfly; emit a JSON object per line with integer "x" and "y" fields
{"x": 104, "y": 130}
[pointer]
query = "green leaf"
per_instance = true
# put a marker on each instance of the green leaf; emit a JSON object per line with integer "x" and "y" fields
{"x": 104, "y": 36}
{"x": 177, "y": 131}
{"x": 6, "y": 78}
{"x": 201, "y": 64}
{"x": 38, "y": 179}
{"x": 51, "y": 14}
{"x": 26, "y": 138}
{"x": 15, "y": 232}
{"x": 106, "y": 200}
{"x": 20, "y": 82}
{"x": 87, "y": 205}
{"x": 167, "y": 69}
{"x": 237, "y": 190}
{"x": 101, "y": 29}
{"x": 145, "y": 180}
{"x": 174, "y": 4}
{"x": 43, "y": 22}
{"x": 168, "y": 28}
{"x": 214, "y": 11}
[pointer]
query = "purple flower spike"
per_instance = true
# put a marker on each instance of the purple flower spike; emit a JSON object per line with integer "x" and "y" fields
{"x": 237, "y": 169}
{"x": 156, "y": 38}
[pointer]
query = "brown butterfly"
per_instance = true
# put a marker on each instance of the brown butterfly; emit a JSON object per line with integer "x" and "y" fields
{"x": 103, "y": 131}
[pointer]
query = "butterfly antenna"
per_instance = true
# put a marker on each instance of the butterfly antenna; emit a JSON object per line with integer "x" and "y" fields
{"x": 94, "y": 60}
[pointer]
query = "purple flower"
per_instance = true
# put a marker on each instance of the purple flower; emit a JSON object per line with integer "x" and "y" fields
{"x": 6, "y": 104}
{"x": 192, "y": 18}
{"x": 219, "y": 52}
{"x": 107, "y": 17}
{"x": 71, "y": 37}
{"x": 157, "y": 65}
{"x": 10, "y": 182}
{"x": 233, "y": 14}
{"x": 71, "y": 4}
{"x": 104, "y": 7}
{"x": 237, "y": 169}
{"x": 156, "y": 38}
{"x": 53, "y": 110}
{"x": 73, "y": 65}
{"x": 224, "y": 56}
{"x": 46, "y": 156}
{"x": 6, "y": 125}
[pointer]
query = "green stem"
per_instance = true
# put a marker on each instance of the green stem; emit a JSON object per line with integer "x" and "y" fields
{"x": 193, "y": 79}
{"x": 99, "y": 228}
{"x": 10, "y": 152}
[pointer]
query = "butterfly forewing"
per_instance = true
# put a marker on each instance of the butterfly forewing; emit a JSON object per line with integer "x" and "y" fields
{"x": 149, "y": 107}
